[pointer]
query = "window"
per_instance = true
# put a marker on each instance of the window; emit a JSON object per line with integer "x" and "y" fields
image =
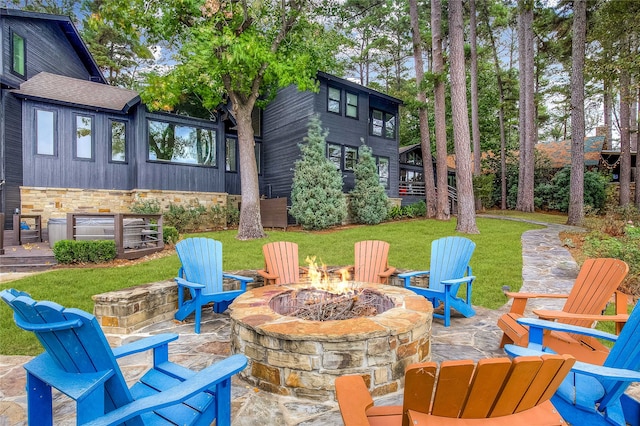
{"x": 257, "y": 148}
{"x": 350, "y": 158}
{"x": 45, "y": 132}
{"x": 382, "y": 124}
{"x": 383, "y": 171}
{"x": 334, "y": 154}
{"x": 118, "y": 141}
{"x": 178, "y": 143}
{"x": 414, "y": 157}
{"x": 334, "y": 101}
{"x": 231, "y": 150}
{"x": 352, "y": 105}
{"x": 18, "y": 55}
{"x": 84, "y": 137}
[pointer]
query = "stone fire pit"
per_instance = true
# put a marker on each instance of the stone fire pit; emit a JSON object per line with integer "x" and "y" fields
{"x": 302, "y": 358}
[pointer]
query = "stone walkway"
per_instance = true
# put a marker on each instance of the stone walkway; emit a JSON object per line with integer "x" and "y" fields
{"x": 547, "y": 267}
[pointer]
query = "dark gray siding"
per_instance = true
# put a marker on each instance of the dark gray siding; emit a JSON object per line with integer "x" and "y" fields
{"x": 284, "y": 127}
{"x": 173, "y": 176}
{"x": 62, "y": 170}
{"x": 48, "y": 49}
{"x": 12, "y": 156}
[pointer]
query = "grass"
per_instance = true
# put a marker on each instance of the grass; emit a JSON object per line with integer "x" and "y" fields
{"x": 497, "y": 261}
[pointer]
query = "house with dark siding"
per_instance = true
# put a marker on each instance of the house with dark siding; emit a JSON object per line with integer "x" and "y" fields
{"x": 69, "y": 142}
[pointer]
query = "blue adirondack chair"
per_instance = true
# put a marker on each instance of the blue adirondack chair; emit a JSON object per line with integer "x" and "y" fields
{"x": 449, "y": 270}
{"x": 79, "y": 363}
{"x": 202, "y": 276}
{"x": 593, "y": 394}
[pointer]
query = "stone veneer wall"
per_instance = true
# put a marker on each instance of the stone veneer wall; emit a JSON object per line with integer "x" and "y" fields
{"x": 57, "y": 202}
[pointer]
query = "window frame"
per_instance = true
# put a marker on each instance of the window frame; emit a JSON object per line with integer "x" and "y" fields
{"x": 227, "y": 167}
{"x": 12, "y": 35}
{"x": 330, "y": 99}
{"x": 257, "y": 149}
{"x": 338, "y": 163}
{"x": 54, "y": 132}
{"x": 386, "y": 118}
{"x": 379, "y": 159}
{"x": 112, "y": 121}
{"x": 185, "y": 124}
{"x": 345, "y": 158}
{"x": 347, "y": 105}
{"x": 76, "y": 116}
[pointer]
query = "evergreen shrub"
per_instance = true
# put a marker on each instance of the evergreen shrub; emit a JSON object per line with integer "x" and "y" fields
{"x": 79, "y": 251}
{"x": 368, "y": 203}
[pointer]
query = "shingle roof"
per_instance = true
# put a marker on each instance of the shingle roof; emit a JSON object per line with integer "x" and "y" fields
{"x": 560, "y": 152}
{"x": 82, "y": 93}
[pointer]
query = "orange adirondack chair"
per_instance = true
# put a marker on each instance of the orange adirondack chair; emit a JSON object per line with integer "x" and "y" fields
{"x": 597, "y": 281}
{"x": 497, "y": 391}
{"x": 372, "y": 262}
{"x": 281, "y": 263}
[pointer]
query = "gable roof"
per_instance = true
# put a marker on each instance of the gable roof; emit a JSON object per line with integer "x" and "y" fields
{"x": 560, "y": 152}
{"x": 74, "y": 92}
{"x": 69, "y": 30}
{"x": 359, "y": 87}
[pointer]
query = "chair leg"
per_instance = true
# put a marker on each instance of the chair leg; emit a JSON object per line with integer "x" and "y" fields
{"x": 39, "y": 402}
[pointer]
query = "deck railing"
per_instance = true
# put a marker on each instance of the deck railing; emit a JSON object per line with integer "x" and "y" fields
{"x": 135, "y": 235}
{"x": 416, "y": 189}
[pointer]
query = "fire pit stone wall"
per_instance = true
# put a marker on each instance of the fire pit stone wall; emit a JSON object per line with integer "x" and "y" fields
{"x": 301, "y": 358}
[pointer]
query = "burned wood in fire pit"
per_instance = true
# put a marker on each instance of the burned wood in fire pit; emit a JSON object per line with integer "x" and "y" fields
{"x": 320, "y": 305}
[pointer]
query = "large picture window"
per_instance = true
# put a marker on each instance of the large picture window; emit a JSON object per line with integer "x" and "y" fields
{"x": 18, "y": 55}
{"x": 334, "y": 100}
{"x": 118, "y": 141}
{"x": 382, "y": 124}
{"x": 84, "y": 137}
{"x": 45, "y": 132}
{"x": 177, "y": 143}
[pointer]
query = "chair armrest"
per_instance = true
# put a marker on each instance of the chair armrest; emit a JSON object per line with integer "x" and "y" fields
{"x": 145, "y": 344}
{"x": 185, "y": 283}
{"x": 354, "y": 400}
{"x": 200, "y": 382}
{"x": 459, "y": 280}
{"x": 413, "y": 274}
{"x": 534, "y": 323}
{"x": 237, "y": 277}
{"x": 556, "y": 315}
{"x": 266, "y": 275}
{"x": 388, "y": 272}
{"x": 517, "y": 295}
{"x": 75, "y": 386}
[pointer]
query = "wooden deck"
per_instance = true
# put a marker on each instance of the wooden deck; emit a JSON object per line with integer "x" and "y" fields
{"x": 27, "y": 258}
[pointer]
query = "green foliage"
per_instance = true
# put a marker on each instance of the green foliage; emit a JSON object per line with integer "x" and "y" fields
{"x": 74, "y": 251}
{"x": 144, "y": 206}
{"x": 624, "y": 248}
{"x": 409, "y": 211}
{"x": 368, "y": 203}
{"x": 555, "y": 194}
{"x": 483, "y": 188}
{"x": 170, "y": 235}
{"x": 317, "y": 201}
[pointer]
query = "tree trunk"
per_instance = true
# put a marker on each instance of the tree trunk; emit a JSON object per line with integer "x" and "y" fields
{"x": 425, "y": 140}
{"x": 461, "y": 137}
{"x": 576, "y": 187}
{"x": 607, "y": 114}
{"x": 475, "y": 120}
{"x": 625, "y": 139}
{"x": 637, "y": 149}
{"x": 527, "y": 108}
{"x": 250, "y": 225}
{"x": 503, "y": 140}
{"x": 443, "y": 211}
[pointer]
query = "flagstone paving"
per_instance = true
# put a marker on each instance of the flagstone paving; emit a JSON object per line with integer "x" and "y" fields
{"x": 547, "y": 267}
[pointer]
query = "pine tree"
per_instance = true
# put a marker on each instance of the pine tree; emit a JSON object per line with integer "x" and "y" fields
{"x": 317, "y": 201}
{"x": 368, "y": 203}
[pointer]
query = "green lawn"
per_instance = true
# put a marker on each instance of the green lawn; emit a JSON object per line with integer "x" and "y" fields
{"x": 496, "y": 262}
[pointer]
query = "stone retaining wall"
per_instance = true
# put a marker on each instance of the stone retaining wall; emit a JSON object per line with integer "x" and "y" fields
{"x": 57, "y": 202}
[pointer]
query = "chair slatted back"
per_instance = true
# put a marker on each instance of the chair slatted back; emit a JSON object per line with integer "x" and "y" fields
{"x": 201, "y": 260}
{"x": 450, "y": 258}
{"x": 625, "y": 353}
{"x": 281, "y": 258}
{"x": 73, "y": 339}
{"x": 494, "y": 387}
{"x": 597, "y": 280}
{"x": 371, "y": 259}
